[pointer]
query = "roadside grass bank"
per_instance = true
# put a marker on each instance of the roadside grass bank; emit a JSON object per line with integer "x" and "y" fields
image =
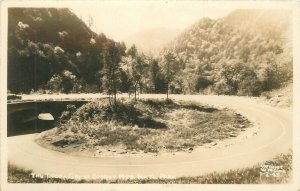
{"x": 145, "y": 126}
{"x": 282, "y": 97}
{"x": 251, "y": 175}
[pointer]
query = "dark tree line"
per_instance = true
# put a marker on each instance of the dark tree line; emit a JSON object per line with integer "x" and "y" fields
{"x": 52, "y": 50}
{"x": 45, "y": 44}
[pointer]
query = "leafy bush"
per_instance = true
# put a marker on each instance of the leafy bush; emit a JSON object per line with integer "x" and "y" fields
{"x": 66, "y": 115}
{"x": 202, "y": 83}
{"x": 221, "y": 88}
{"x": 126, "y": 113}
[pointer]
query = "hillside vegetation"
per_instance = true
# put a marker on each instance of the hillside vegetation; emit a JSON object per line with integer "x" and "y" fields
{"x": 53, "y": 49}
{"x": 248, "y": 52}
{"x": 282, "y": 97}
{"x": 142, "y": 126}
{"x": 245, "y": 53}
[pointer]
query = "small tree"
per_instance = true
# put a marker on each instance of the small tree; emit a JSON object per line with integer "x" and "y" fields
{"x": 231, "y": 73}
{"x": 169, "y": 63}
{"x": 111, "y": 70}
{"x": 157, "y": 78}
{"x": 137, "y": 74}
{"x": 55, "y": 83}
{"x": 134, "y": 66}
{"x": 68, "y": 81}
{"x": 127, "y": 81}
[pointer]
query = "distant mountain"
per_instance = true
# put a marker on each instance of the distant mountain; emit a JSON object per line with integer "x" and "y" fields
{"x": 151, "y": 40}
{"x": 245, "y": 41}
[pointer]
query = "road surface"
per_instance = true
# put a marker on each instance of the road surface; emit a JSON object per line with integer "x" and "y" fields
{"x": 274, "y": 137}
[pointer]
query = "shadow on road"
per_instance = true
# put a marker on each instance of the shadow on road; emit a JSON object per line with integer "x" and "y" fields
{"x": 35, "y": 126}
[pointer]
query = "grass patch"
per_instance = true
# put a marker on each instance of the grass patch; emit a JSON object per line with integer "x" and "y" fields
{"x": 249, "y": 175}
{"x": 145, "y": 125}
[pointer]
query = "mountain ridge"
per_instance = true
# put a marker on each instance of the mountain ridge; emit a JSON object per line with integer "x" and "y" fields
{"x": 255, "y": 40}
{"x": 151, "y": 40}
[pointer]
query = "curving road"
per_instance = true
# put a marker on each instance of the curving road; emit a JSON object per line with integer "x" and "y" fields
{"x": 274, "y": 137}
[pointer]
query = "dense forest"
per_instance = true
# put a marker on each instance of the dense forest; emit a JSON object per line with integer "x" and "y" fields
{"x": 245, "y": 53}
{"x": 53, "y": 49}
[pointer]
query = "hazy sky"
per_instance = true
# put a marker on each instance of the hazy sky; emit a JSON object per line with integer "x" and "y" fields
{"x": 119, "y": 19}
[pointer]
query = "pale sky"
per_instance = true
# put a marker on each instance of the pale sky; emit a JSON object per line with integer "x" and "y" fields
{"x": 118, "y": 19}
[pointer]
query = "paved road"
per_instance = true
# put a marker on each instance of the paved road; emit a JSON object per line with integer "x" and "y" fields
{"x": 274, "y": 137}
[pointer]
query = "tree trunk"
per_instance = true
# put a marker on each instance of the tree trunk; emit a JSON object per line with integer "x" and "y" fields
{"x": 114, "y": 94}
{"x": 167, "y": 91}
{"x": 140, "y": 87}
{"x": 109, "y": 99}
{"x": 135, "y": 91}
{"x": 114, "y": 87}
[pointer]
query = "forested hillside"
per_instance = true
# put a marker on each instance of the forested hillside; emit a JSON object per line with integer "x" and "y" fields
{"x": 246, "y": 53}
{"x": 53, "y": 49}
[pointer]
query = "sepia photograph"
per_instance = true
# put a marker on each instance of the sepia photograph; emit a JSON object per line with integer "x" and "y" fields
{"x": 142, "y": 93}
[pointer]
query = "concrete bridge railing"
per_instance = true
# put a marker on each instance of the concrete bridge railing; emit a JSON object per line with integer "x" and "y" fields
{"x": 22, "y": 117}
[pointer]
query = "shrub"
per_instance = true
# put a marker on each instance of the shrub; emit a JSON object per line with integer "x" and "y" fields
{"x": 221, "y": 88}
{"x": 125, "y": 113}
{"x": 202, "y": 83}
{"x": 66, "y": 115}
{"x": 55, "y": 83}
